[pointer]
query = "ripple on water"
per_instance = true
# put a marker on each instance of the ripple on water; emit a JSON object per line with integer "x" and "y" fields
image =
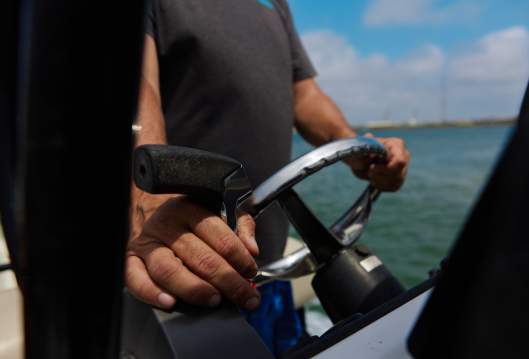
{"x": 413, "y": 230}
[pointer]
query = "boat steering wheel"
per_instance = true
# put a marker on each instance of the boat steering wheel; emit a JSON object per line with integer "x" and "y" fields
{"x": 321, "y": 243}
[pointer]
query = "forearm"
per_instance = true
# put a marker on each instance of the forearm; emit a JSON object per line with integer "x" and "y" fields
{"x": 319, "y": 121}
{"x": 150, "y": 123}
{"x": 317, "y": 118}
{"x": 150, "y": 129}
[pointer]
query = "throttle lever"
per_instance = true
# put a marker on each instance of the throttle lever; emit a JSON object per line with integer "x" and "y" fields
{"x": 217, "y": 182}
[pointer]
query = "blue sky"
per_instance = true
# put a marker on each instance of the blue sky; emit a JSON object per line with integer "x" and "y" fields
{"x": 469, "y": 45}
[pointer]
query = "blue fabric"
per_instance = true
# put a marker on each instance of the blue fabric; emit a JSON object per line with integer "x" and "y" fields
{"x": 276, "y": 319}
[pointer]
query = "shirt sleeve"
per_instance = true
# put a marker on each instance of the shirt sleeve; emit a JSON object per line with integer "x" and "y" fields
{"x": 149, "y": 24}
{"x": 302, "y": 67}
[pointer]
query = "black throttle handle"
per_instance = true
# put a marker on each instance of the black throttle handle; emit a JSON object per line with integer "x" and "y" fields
{"x": 208, "y": 178}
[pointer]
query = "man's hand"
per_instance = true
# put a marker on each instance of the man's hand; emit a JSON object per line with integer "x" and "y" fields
{"x": 177, "y": 249}
{"x": 319, "y": 121}
{"x": 187, "y": 252}
{"x": 388, "y": 175}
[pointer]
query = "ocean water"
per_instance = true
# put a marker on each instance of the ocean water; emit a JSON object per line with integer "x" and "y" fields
{"x": 412, "y": 230}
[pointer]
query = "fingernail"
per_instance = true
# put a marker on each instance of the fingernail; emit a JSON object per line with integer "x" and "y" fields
{"x": 214, "y": 301}
{"x": 252, "y": 303}
{"x": 165, "y": 300}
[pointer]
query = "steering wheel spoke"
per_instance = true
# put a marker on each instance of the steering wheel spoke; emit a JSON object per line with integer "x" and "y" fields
{"x": 351, "y": 225}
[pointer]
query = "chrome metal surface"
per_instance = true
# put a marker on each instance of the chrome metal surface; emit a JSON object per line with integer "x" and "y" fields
{"x": 237, "y": 187}
{"x": 295, "y": 265}
{"x": 351, "y": 225}
{"x": 308, "y": 164}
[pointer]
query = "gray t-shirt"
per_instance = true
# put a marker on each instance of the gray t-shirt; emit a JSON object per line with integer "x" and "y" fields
{"x": 226, "y": 73}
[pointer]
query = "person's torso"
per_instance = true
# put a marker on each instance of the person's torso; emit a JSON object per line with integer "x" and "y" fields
{"x": 226, "y": 79}
{"x": 226, "y": 85}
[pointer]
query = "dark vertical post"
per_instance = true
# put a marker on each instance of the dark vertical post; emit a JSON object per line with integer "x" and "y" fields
{"x": 8, "y": 69}
{"x": 479, "y": 307}
{"x": 78, "y": 86}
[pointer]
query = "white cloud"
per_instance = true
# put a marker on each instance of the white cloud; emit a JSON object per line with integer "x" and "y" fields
{"x": 490, "y": 76}
{"x": 487, "y": 78}
{"x": 418, "y": 12}
{"x": 498, "y": 57}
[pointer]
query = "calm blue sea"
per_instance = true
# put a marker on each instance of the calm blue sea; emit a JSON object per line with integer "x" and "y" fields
{"x": 412, "y": 230}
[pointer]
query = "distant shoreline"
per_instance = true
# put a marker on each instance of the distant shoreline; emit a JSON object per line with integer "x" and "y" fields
{"x": 445, "y": 124}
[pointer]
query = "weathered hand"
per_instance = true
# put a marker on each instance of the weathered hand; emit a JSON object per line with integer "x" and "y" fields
{"x": 389, "y": 175}
{"x": 187, "y": 252}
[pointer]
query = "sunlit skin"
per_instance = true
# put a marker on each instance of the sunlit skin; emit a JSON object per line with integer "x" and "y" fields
{"x": 319, "y": 120}
{"x": 179, "y": 250}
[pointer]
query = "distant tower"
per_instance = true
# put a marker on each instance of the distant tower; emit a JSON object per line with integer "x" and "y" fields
{"x": 443, "y": 95}
{"x": 413, "y": 119}
{"x": 387, "y": 114}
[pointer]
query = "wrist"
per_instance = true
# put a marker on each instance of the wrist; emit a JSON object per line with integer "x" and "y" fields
{"x": 344, "y": 132}
{"x": 148, "y": 202}
{"x": 143, "y": 207}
